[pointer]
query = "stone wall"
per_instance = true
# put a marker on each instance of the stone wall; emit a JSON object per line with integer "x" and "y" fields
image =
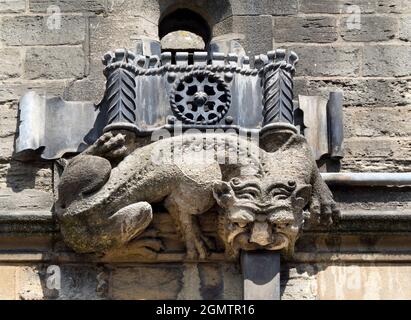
{"x": 61, "y": 55}
{"x": 371, "y": 64}
{"x": 203, "y": 281}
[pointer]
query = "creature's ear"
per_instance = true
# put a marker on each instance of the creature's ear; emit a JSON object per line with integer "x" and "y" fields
{"x": 302, "y": 195}
{"x": 223, "y": 193}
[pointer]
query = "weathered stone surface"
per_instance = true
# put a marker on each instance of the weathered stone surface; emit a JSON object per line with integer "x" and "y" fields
{"x": 214, "y": 10}
{"x": 14, "y": 90}
{"x": 272, "y": 7}
{"x": 233, "y": 282}
{"x": 29, "y": 284}
{"x": 377, "y": 154}
{"x": 95, "y": 6}
{"x": 73, "y": 282}
{"x": 375, "y": 165}
{"x": 148, "y": 282}
{"x": 373, "y": 28}
{"x": 360, "y": 92}
{"x": 7, "y": 282}
{"x": 372, "y": 122}
{"x": 152, "y": 181}
{"x": 392, "y": 6}
{"x": 211, "y": 281}
{"x": 6, "y": 148}
{"x": 338, "y": 6}
{"x": 257, "y": 31}
{"x": 352, "y": 282}
{"x": 20, "y": 176}
{"x": 305, "y": 29}
{"x": 316, "y": 60}
{"x": 191, "y": 283}
{"x": 365, "y": 6}
{"x": 387, "y": 60}
{"x": 54, "y": 62}
{"x": 28, "y": 199}
{"x": 90, "y": 88}
{"x": 149, "y": 9}
{"x": 382, "y": 148}
{"x": 11, "y": 63}
{"x": 405, "y": 28}
{"x": 363, "y": 199}
{"x": 8, "y": 119}
{"x": 377, "y": 117}
{"x": 182, "y": 40}
{"x": 108, "y": 33}
{"x": 11, "y": 6}
{"x": 80, "y": 282}
{"x": 298, "y": 282}
{"x": 35, "y": 30}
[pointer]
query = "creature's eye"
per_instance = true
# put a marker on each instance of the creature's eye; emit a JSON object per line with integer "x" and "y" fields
{"x": 247, "y": 196}
{"x": 280, "y": 196}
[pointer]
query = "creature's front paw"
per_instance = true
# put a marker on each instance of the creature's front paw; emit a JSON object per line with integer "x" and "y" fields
{"x": 323, "y": 210}
{"x": 111, "y": 146}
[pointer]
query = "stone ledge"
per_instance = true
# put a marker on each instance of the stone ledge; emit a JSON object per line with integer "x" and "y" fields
{"x": 299, "y": 257}
{"x": 375, "y": 215}
{"x": 350, "y": 257}
{"x": 29, "y": 222}
{"x": 26, "y": 216}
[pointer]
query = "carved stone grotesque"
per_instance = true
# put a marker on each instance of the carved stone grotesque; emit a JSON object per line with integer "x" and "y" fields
{"x": 267, "y": 211}
{"x": 237, "y": 152}
{"x": 105, "y": 193}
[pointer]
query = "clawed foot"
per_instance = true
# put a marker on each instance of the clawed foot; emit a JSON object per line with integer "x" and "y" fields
{"x": 323, "y": 210}
{"x": 110, "y": 146}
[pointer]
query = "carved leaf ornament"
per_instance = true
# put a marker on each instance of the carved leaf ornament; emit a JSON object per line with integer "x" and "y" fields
{"x": 121, "y": 96}
{"x": 278, "y": 94}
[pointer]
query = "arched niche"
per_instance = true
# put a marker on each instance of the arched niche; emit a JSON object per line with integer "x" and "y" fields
{"x": 212, "y": 11}
{"x": 184, "y": 29}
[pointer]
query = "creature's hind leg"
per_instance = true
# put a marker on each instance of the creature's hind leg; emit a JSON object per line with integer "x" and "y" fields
{"x": 116, "y": 231}
{"x": 130, "y": 221}
{"x": 189, "y": 228}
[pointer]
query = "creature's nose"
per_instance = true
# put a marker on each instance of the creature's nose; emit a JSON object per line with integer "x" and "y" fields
{"x": 261, "y": 233}
{"x": 282, "y": 217}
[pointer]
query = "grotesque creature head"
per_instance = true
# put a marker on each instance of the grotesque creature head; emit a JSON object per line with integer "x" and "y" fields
{"x": 260, "y": 213}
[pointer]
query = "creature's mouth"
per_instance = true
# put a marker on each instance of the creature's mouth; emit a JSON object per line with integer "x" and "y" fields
{"x": 278, "y": 241}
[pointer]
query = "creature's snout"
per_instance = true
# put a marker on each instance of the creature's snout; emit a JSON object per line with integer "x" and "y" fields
{"x": 261, "y": 233}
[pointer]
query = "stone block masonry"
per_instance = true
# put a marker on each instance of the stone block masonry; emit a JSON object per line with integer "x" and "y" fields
{"x": 366, "y": 56}
{"x": 362, "y": 47}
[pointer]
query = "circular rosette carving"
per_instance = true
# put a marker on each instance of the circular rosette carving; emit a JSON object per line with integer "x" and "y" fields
{"x": 200, "y": 97}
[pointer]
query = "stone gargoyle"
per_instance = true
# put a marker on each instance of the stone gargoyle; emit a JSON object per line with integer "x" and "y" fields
{"x": 106, "y": 192}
